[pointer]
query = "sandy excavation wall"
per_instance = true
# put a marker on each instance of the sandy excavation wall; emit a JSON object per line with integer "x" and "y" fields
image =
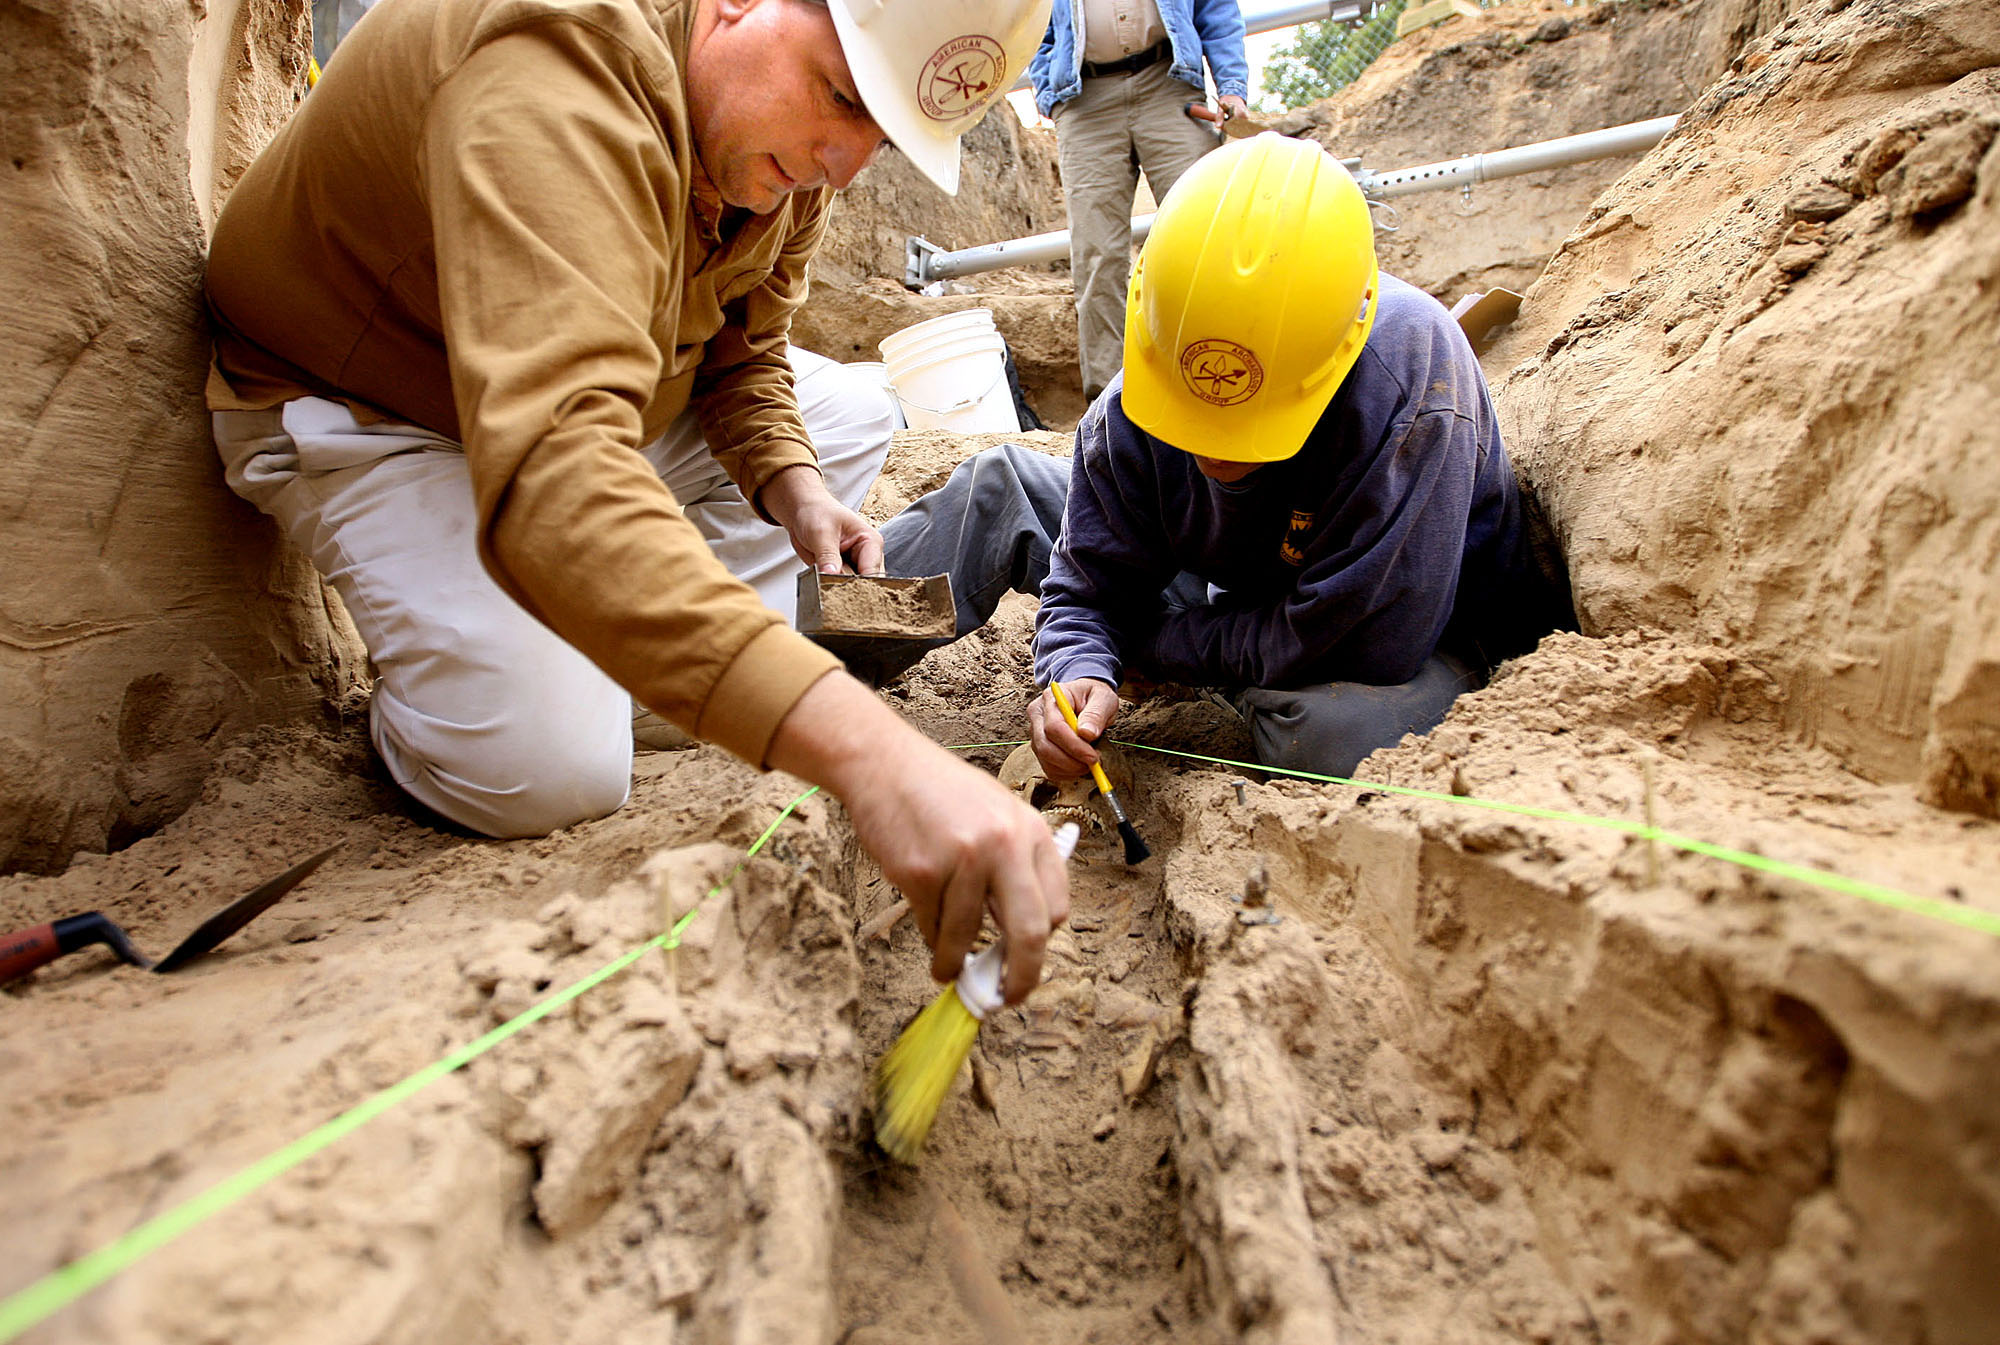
{"x": 1516, "y": 74}
{"x": 145, "y": 616}
{"x": 1748, "y": 393}
{"x": 1008, "y": 186}
{"x": 1538, "y": 1083}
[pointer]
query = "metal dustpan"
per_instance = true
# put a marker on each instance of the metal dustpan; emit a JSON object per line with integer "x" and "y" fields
{"x": 855, "y": 615}
{"x": 1480, "y": 315}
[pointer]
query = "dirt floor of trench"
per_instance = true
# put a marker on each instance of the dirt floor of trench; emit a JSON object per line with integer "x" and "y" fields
{"x": 1489, "y": 1078}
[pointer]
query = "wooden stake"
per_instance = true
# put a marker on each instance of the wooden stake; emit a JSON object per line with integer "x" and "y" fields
{"x": 1646, "y": 761}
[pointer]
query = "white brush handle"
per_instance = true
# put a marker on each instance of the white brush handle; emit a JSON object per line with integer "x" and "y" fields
{"x": 979, "y": 979}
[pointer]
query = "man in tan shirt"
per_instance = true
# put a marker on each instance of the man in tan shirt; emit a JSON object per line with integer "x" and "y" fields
{"x": 499, "y": 252}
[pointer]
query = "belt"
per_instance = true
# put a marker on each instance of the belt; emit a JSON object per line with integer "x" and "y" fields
{"x": 1126, "y": 65}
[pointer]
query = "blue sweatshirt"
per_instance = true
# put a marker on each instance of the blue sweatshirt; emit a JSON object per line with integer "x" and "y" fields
{"x": 1397, "y": 528}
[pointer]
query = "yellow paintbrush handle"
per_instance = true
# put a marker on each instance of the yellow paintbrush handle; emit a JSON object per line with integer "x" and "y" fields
{"x": 1069, "y": 716}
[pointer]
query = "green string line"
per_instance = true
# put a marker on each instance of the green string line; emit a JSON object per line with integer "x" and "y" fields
{"x": 65, "y": 1284}
{"x": 1986, "y": 922}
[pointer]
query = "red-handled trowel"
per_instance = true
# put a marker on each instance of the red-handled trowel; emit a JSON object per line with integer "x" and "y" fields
{"x": 24, "y": 950}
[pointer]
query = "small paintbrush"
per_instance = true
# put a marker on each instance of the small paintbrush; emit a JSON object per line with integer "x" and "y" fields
{"x": 1135, "y": 849}
{"x": 913, "y": 1078}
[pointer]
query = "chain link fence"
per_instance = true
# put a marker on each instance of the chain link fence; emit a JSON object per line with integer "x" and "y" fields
{"x": 1322, "y": 58}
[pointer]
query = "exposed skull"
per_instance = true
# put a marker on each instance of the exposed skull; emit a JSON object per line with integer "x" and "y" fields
{"x": 1068, "y": 800}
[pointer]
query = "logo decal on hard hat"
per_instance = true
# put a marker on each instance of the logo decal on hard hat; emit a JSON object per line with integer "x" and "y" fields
{"x": 1221, "y": 372}
{"x": 960, "y": 76}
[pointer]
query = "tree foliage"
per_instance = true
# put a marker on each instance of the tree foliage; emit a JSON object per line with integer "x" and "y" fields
{"x": 1325, "y": 57}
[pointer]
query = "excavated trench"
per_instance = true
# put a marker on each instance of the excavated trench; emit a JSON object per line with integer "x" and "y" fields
{"x": 1198, "y": 1129}
{"x": 1485, "y": 1079}
{"x": 1490, "y": 1077}
{"x": 1049, "y": 1187}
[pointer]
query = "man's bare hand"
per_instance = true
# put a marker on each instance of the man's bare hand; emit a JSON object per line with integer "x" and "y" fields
{"x": 1231, "y": 108}
{"x": 955, "y": 842}
{"x": 1063, "y": 752}
{"x": 825, "y": 533}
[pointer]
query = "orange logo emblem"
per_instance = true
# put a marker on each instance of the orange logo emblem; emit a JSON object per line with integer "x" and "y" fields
{"x": 960, "y": 77}
{"x": 1297, "y": 533}
{"x": 1221, "y": 372}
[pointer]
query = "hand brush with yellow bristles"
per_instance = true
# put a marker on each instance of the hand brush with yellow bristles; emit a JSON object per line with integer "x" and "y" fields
{"x": 1135, "y": 849}
{"x": 913, "y": 1078}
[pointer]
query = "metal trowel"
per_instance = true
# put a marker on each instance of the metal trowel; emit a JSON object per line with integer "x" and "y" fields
{"x": 24, "y": 950}
{"x": 1239, "y": 127}
{"x": 877, "y": 626}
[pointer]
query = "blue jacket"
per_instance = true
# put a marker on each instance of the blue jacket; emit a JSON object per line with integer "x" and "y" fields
{"x": 1397, "y": 528}
{"x": 1196, "y": 28}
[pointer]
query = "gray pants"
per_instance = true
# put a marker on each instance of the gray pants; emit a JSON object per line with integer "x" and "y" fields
{"x": 1327, "y": 729}
{"x": 1117, "y": 125}
{"x": 333, "y": 20}
{"x": 992, "y": 526}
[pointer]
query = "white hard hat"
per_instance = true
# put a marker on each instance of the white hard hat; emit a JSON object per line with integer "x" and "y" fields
{"x": 927, "y": 70}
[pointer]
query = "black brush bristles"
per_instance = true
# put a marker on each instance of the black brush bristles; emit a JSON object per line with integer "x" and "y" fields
{"x": 1136, "y": 849}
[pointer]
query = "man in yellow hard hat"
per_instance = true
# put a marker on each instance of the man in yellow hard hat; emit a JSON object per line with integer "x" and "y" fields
{"x": 510, "y": 263}
{"x": 1296, "y": 489}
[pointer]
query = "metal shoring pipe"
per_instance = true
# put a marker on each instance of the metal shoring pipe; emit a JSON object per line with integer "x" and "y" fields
{"x": 1475, "y": 168}
{"x": 925, "y": 264}
{"x": 1312, "y": 11}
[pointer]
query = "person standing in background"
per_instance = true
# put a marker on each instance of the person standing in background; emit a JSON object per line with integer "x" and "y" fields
{"x": 1122, "y": 80}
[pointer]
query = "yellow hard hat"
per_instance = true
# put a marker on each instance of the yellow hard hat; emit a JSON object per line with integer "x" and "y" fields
{"x": 1251, "y": 300}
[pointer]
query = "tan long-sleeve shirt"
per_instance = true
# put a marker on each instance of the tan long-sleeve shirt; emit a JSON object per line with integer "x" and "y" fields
{"x": 491, "y": 222}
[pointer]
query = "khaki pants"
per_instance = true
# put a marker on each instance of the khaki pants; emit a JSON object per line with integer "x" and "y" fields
{"x": 1104, "y": 136}
{"x": 481, "y": 712}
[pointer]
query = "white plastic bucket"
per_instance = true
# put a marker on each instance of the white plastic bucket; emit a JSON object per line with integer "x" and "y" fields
{"x": 940, "y": 347}
{"x": 875, "y": 370}
{"x": 925, "y": 347}
{"x": 962, "y": 323}
{"x": 961, "y": 385}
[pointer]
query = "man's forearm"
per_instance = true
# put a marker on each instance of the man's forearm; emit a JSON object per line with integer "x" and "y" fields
{"x": 837, "y": 734}
{"x": 787, "y": 490}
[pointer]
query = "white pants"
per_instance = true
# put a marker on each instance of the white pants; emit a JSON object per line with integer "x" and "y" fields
{"x": 481, "y": 712}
